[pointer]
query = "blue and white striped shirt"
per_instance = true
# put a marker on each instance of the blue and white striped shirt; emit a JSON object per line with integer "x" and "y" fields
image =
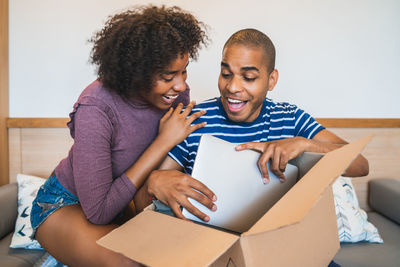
{"x": 276, "y": 121}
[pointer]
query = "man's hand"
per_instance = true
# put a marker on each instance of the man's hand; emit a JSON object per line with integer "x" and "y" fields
{"x": 278, "y": 152}
{"x": 174, "y": 188}
{"x": 281, "y": 151}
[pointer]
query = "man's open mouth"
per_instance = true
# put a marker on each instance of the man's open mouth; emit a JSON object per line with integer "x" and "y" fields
{"x": 235, "y": 105}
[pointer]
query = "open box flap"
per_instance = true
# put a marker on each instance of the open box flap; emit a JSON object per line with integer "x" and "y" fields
{"x": 292, "y": 207}
{"x": 312, "y": 242}
{"x": 157, "y": 239}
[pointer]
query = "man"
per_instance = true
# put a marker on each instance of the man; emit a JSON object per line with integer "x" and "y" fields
{"x": 242, "y": 114}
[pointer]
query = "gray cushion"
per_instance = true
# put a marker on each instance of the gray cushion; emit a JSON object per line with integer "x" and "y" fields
{"x": 367, "y": 254}
{"x": 17, "y": 257}
{"x": 384, "y": 197}
{"x": 8, "y": 207}
{"x": 305, "y": 162}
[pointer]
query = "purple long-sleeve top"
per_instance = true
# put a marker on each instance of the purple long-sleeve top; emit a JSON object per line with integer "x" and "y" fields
{"x": 110, "y": 133}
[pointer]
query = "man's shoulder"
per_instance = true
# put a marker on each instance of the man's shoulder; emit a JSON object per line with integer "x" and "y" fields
{"x": 211, "y": 106}
{"x": 274, "y": 106}
{"x": 211, "y": 103}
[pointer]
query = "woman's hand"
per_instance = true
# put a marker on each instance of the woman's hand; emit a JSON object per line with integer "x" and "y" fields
{"x": 175, "y": 125}
{"x": 279, "y": 152}
{"x": 174, "y": 188}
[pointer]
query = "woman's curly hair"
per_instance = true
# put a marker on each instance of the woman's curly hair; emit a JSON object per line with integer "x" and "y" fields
{"x": 139, "y": 43}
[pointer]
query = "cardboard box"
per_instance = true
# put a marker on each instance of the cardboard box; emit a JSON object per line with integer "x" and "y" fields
{"x": 299, "y": 230}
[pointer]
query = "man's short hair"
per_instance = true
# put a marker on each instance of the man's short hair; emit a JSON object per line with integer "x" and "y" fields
{"x": 255, "y": 38}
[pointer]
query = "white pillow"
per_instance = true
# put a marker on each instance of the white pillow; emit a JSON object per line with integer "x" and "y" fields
{"x": 28, "y": 187}
{"x": 351, "y": 219}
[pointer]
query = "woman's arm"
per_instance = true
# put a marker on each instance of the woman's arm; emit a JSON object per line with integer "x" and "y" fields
{"x": 175, "y": 126}
{"x": 101, "y": 196}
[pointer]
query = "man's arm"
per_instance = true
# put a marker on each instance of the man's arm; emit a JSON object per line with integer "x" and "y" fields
{"x": 326, "y": 141}
{"x": 281, "y": 151}
{"x": 173, "y": 187}
{"x": 142, "y": 197}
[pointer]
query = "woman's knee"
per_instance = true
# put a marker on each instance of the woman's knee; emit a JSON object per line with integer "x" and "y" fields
{"x": 69, "y": 237}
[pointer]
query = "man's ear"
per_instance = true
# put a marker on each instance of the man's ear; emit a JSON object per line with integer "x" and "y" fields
{"x": 273, "y": 79}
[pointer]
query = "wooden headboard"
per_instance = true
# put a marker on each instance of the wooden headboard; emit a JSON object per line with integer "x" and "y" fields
{"x": 37, "y": 145}
{"x": 37, "y": 151}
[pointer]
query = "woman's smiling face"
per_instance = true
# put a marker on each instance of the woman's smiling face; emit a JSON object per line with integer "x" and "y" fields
{"x": 169, "y": 83}
{"x": 244, "y": 81}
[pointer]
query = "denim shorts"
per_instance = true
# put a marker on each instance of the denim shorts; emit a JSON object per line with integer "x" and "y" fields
{"x": 162, "y": 208}
{"x": 50, "y": 197}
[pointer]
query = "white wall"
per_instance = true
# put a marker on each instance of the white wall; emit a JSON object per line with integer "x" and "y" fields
{"x": 337, "y": 58}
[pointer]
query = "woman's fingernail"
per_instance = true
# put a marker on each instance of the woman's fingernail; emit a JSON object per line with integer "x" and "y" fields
{"x": 265, "y": 180}
{"x": 282, "y": 180}
{"x": 238, "y": 147}
{"x": 206, "y": 219}
{"x": 214, "y": 208}
{"x": 214, "y": 198}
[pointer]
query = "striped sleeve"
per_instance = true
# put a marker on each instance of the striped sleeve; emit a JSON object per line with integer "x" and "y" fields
{"x": 305, "y": 125}
{"x": 180, "y": 154}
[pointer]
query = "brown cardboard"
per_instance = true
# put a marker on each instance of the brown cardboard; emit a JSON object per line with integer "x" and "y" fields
{"x": 299, "y": 230}
{"x": 310, "y": 242}
{"x": 157, "y": 239}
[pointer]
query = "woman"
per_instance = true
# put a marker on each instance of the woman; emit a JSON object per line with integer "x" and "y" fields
{"x": 123, "y": 125}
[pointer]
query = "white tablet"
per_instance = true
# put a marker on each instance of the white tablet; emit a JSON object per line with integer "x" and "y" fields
{"x": 234, "y": 177}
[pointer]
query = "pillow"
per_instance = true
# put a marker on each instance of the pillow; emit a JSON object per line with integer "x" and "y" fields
{"x": 48, "y": 261}
{"x": 28, "y": 187}
{"x": 351, "y": 219}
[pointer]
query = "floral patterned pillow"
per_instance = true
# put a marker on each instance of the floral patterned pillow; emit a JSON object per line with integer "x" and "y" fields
{"x": 352, "y": 222}
{"x": 28, "y": 187}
